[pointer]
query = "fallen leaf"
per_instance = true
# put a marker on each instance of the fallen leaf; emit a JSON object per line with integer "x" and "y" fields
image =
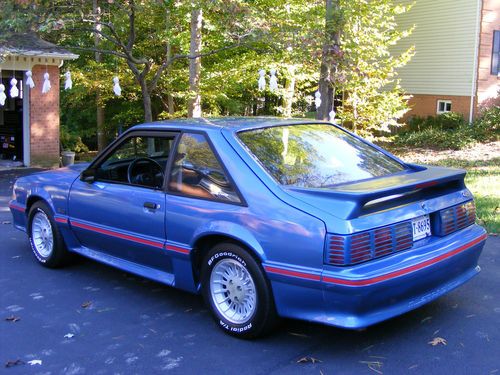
{"x": 308, "y": 360}
{"x": 373, "y": 365}
{"x": 87, "y": 304}
{"x": 17, "y": 362}
{"x": 13, "y": 318}
{"x": 437, "y": 340}
{"x": 35, "y": 362}
{"x": 69, "y": 335}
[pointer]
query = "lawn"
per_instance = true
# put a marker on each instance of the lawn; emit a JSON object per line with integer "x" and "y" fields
{"x": 482, "y": 164}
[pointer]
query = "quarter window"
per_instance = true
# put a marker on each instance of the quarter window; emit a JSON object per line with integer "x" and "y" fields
{"x": 196, "y": 171}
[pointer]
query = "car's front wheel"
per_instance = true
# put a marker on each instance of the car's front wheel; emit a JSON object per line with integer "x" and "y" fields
{"x": 236, "y": 290}
{"x": 45, "y": 239}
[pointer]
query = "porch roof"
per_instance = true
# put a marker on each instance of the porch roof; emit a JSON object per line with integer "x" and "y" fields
{"x": 33, "y": 46}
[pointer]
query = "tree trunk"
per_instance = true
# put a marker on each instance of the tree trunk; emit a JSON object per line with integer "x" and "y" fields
{"x": 101, "y": 136}
{"x": 170, "y": 98}
{"x": 332, "y": 37}
{"x": 289, "y": 93}
{"x": 194, "y": 102}
{"x": 146, "y": 101}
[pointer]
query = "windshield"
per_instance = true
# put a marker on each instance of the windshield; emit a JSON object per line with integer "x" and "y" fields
{"x": 316, "y": 155}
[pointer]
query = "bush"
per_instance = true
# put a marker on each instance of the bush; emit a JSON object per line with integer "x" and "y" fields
{"x": 444, "y": 121}
{"x": 450, "y": 131}
{"x": 71, "y": 141}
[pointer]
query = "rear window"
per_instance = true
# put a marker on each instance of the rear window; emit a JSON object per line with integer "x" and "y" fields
{"x": 316, "y": 155}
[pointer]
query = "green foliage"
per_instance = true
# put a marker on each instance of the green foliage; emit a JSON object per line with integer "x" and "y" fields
{"x": 450, "y": 131}
{"x": 444, "y": 121}
{"x": 373, "y": 99}
{"x": 71, "y": 141}
{"x": 286, "y": 35}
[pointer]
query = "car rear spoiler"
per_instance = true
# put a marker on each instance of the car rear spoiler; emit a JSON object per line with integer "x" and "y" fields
{"x": 379, "y": 193}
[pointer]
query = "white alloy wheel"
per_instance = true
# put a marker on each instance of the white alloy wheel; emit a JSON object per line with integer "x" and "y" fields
{"x": 233, "y": 291}
{"x": 41, "y": 234}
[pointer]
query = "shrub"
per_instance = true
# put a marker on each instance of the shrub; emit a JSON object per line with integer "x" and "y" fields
{"x": 444, "y": 121}
{"x": 71, "y": 141}
{"x": 450, "y": 131}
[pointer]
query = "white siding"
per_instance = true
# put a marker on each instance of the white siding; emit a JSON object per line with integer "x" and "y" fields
{"x": 444, "y": 40}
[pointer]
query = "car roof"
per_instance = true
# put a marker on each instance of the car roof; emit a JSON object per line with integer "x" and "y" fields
{"x": 231, "y": 123}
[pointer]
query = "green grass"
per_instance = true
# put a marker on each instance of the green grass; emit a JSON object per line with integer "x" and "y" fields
{"x": 483, "y": 180}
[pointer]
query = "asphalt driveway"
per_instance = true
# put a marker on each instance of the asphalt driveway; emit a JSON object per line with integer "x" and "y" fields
{"x": 91, "y": 319}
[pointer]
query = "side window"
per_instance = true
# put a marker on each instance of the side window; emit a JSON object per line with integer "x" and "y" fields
{"x": 196, "y": 172}
{"x": 138, "y": 161}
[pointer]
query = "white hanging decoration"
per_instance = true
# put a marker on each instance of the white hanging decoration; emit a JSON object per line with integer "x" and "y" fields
{"x": 332, "y": 116}
{"x": 2, "y": 94}
{"x": 116, "y": 87}
{"x": 262, "y": 79}
{"x": 29, "y": 80}
{"x": 46, "y": 84}
{"x": 14, "y": 91}
{"x": 273, "y": 82}
{"x": 317, "y": 99}
{"x": 68, "y": 84}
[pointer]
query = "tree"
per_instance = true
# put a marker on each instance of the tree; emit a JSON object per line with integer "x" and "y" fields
{"x": 329, "y": 57}
{"x": 360, "y": 64}
{"x": 194, "y": 102}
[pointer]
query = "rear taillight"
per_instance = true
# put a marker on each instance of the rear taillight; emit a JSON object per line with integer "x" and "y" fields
{"x": 344, "y": 250}
{"x": 455, "y": 218}
{"x": 360, "y": 247}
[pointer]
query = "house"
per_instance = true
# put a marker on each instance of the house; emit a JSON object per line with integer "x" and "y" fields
{"x": 456, "y": 64}
{"x": 29, "y": 121}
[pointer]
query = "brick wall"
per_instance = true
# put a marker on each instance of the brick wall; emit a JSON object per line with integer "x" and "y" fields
{"x": 44, "y": 118}
{"x": 488, "y": 84}
{"x": 426, "y": 105}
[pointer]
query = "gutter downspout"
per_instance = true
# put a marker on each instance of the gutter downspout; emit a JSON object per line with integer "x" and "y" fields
{"x": 476, "y": 60}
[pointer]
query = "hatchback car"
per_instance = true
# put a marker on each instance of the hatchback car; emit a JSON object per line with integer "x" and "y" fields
{"x": 264, "y": 217}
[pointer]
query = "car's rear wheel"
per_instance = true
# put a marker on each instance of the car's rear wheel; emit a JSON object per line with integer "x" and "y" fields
{"x": 236, "y": 290}
{"x": 46, "y": 241}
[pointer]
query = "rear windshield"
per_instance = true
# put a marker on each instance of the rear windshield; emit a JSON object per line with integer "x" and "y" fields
{"x": 316, "y": 155}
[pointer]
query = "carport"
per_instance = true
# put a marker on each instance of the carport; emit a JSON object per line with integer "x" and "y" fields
{"x": 29, "y": 122}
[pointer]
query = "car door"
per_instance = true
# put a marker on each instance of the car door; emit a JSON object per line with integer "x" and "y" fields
{"x": 121, "y": 214}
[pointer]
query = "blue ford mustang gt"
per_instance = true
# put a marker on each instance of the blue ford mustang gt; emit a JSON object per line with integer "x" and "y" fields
{"x": 264, "y": 217}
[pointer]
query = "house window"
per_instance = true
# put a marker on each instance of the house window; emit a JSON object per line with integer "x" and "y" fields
{"x": 443, "y": 106}
{"x": 495, "y": 55}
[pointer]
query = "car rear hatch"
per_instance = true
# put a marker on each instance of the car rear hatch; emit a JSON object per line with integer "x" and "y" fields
{"x": 391, "y": 213}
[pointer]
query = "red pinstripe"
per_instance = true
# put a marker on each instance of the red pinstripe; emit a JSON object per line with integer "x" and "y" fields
{"x": 374, "y": 280}
{"x": 118, "y": 235}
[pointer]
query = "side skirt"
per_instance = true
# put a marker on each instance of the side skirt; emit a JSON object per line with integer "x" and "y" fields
{"x": 137, "y": 269}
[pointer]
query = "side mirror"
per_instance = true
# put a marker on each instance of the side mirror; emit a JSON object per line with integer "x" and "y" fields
{"x": 88, "y": 175}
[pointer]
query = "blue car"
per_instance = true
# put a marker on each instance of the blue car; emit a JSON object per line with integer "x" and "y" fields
{"x": 264, "y": 217}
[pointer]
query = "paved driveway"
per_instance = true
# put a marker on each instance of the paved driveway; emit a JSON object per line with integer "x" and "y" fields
{"x": 92, "y": 319}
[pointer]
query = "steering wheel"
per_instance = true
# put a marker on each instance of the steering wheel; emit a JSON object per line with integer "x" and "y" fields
{"x": 147, "y": 177}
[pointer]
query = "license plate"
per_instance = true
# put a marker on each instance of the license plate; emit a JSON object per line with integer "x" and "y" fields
{"x": 421, "y": 227}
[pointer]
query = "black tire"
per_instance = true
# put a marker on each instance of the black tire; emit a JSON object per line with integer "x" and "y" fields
{"x": 59, "y": 255}
{"x": 262, "y": 317}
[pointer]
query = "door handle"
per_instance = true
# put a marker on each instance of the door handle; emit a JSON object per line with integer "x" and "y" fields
{"x": 151, "y": 205}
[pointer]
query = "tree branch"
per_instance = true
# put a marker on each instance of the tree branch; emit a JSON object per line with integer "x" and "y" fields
{"x": 103, "y": 51}
{"x": 131, "y": 17}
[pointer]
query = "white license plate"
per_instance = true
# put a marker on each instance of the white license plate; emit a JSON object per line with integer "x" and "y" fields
{"x": 421, "y": 227}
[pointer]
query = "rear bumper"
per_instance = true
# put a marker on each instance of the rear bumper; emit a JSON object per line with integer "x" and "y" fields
{"x": 365, "y": 294}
